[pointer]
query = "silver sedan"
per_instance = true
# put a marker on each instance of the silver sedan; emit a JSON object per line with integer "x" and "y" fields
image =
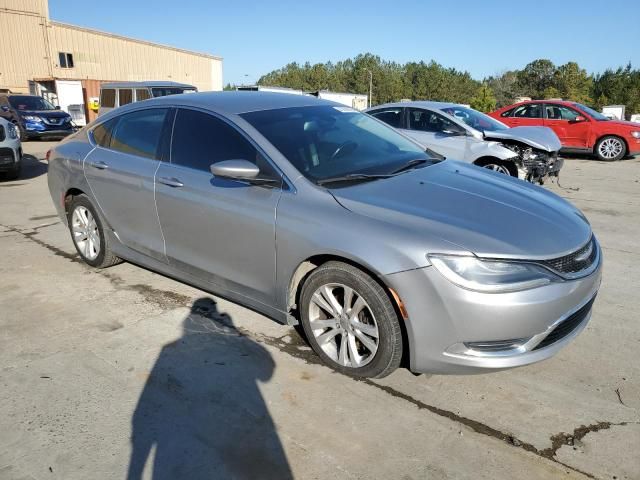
{"x": 311, "y": 212}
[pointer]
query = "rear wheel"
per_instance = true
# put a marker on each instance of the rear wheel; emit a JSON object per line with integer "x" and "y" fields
{"x": 610, "y": 148}
{"x": 88, "y": 235}
{"x": 350, "y": 321}
{"x": 500, "y": 166}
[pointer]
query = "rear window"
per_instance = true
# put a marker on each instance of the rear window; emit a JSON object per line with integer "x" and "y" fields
{"x": 138, "y": 133}
{"x": 108, "y": 98}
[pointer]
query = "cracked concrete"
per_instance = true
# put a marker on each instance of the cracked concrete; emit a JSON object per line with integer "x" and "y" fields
{"x": 78, "y": 348}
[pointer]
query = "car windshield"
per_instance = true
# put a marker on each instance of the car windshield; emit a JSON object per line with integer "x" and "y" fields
{"x": 591, "y": 112}
{"x": 325, "y": 142}
{"x": 475, "y": 119}
{"x": 30, "y": 102}
{"x": 164, "y": 91}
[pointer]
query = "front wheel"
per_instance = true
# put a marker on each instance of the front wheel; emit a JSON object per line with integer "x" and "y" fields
{"x": 88, "y": 234}
{"x": 499, "y": 166}
{"x": 610, "y": 148}
{"x": 350, "y": 321}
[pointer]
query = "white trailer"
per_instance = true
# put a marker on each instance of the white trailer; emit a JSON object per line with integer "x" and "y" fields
{"x": 353, "y": 100}
{"x": 614, "y": 112}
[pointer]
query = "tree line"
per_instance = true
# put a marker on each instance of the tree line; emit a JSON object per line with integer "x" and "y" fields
{"x": 393, "y": 81}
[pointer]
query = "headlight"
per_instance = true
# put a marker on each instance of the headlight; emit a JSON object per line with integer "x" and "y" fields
{"x": 32, "y": 118}
{"x": 635, "y": 134}
{"x": 491, "y": 276}
{"x": 13, "y": 131}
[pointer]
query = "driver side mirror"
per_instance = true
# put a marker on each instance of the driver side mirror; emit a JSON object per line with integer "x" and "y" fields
{"x": 578, "y": 119}
{"x": 57, "y": 107}
{"x": 242, "y": 170}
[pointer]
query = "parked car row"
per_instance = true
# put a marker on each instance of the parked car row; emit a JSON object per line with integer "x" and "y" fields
{"x": 461, "y": 133}
{"x": 581, "y": 129}
{"x": 309, "y": 211}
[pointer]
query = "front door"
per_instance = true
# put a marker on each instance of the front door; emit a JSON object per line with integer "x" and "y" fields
{"x": 562, "y": 120}
{"x": 438, "y": 133}
{"x": 121, "y": 171}
{"x": 220, "y": 231}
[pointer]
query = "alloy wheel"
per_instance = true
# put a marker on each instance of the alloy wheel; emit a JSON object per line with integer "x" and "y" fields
{"x": 610, "y": 148}
{"x": 497, "y": 168}
{"x": 85, "y": 232}
{"x": 343, "y": 324}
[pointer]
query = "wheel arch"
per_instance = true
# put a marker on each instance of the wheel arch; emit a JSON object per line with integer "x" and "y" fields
{"x": 68, "y": 197}
{"x": 304, "y": 269}
{"x": 486, "y": 159}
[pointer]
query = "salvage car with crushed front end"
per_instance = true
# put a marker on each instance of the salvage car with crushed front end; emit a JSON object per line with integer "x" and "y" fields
{"x": 462, "y": 133}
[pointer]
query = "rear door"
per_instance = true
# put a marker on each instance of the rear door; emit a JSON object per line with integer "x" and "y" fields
{"x": 219, "y": 230}
{"x": 562, "y": 120}
{"x": 120, "y": 172}
{"x": 526, "y": 115}
{"x": 437, "y": 132}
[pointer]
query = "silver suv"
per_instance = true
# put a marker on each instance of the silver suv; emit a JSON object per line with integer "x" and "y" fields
{"x": 309, "y": 211}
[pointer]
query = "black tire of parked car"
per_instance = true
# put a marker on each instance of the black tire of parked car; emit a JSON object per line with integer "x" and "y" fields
{"x": 105, "y": 257}
{"x": 389, "y": 353}
{"x": 619, "y": 156}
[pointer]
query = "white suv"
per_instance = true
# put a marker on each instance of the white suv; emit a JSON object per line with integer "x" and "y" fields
{"x": 10, "y": 150}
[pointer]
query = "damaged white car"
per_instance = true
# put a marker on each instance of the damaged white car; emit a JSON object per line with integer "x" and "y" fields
{"x": 461, "y": 133}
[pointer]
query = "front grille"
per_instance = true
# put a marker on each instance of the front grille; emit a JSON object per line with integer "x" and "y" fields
{"x": 575, "y": 262}
{"x": 53, "y": 121}
{"x": 6, "y": 156}
{"x": 567, "y": 326}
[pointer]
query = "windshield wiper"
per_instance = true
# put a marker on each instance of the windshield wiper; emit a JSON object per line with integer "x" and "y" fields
{"x": 352, "y": 177}
{"x": 409, "y": 165}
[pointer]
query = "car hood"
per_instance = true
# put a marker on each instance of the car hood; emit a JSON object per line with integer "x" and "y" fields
{"x": 45, "y": 113}
{"x": 623, "y": 123}
{"x": 489, "y": 214}
{"x": 542, "y": 138}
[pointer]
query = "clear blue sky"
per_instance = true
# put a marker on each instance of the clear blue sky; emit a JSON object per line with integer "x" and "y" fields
{"x": 484, "y": 38}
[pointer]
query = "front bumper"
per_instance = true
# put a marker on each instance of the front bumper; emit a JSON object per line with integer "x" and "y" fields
{"x": 48, "y": 133}
{"x": 9, "y": 158}
{"x": 446, "y": 321}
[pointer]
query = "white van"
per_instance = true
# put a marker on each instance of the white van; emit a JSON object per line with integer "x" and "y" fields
{"x": 116, "y": 94}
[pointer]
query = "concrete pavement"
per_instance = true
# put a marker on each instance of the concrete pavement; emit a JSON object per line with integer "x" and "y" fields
{"x": 125, "y": 373}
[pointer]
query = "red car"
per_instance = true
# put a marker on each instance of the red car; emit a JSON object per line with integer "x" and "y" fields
{"x": 580, "y": 128}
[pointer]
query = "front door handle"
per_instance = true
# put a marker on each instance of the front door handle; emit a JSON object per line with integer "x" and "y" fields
{"x": 99, "y": 165}
{"x": 171, "y": 182}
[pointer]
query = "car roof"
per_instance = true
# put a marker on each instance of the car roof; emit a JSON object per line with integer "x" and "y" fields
{"x": 419, "y": 103}
{"x": 151, "y": 83}
{"x": 232, "y": 102}
{"x": 547, "y": 100}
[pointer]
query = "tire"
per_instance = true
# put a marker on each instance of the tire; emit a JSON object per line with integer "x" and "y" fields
{"x": 83, "y": 219}
{"x": 336, "y": 338}
{"x": 500, "y": 166}
{"x": 610, "y": 148}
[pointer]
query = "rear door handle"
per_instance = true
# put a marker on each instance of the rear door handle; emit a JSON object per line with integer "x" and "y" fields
{"x": 171, "y": 182}
{"x": 99, "y": 165}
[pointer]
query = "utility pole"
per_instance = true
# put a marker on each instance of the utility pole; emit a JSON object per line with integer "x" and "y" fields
{"x": 370, "y": 85}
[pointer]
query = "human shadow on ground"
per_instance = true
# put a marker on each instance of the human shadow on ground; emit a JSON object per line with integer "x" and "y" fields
{"x": 201, "y": 414}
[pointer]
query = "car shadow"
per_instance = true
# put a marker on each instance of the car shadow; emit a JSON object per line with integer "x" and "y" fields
{"x": 32, "y": 167}
{"x": 201, "y": 414}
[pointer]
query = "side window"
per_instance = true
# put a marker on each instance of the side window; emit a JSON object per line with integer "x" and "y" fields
{"x": 200, "y": 139}
{"x": 390, "y": 116}
{"x": 529, "y": 110}
{"x": 427, "y": 121}
{"x": 560, "y": 112}
{"x": 125, "y": 96}
{"x": 507, "y": 113}
{"x": 102, "y": 133}
{"x": 142, "y": 94}
{"x": 138, "y": 133}
{"x": 108, "y": 98}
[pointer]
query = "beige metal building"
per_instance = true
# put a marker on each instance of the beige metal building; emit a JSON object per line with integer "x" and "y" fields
{"x": 37, "y": 54}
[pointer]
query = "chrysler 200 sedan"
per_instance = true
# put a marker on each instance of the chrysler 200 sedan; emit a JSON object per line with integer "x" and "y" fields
{"x": 308, "y": 211}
